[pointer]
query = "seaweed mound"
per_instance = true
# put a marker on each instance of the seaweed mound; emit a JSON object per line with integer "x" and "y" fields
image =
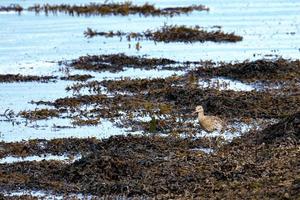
{"x": 190, "y": 34}
{"x": 9, "y": 78}
{"x": 169, "y": 168}
{"x": 270, "y": 70}
{"x": 285, "y": 132}
{"x": 124, "y": 9}
{"x": 117, "y": 62}
{"x": 172, "y": 34}
{"x": 135, "y": 166}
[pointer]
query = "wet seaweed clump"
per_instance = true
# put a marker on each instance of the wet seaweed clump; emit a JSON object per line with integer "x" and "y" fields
{"x": 285, "y": 133}
{"x": 117, "y": 62}
{"x": 75, "y": 102}
{"x": 172, "y": 34}
{"x": 187, "y": 34}
{"x": 89, "y": 33}
{"x": 77, "y": 77}
{"x": 261, "y": 70}
{"x": 8, "y": 78}
{"x": 126, "y": 8}
{"x": 12, "y": 7}
{"x": 67, "y": 146}
{"x": 127, "y": 85}
{"x": 85, "y": 122}
{"x": 40, "y": 114}
{"x": 139, "y": 85}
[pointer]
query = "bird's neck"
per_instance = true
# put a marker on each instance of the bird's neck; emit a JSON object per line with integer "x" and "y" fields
{"x": 200, "y": 115}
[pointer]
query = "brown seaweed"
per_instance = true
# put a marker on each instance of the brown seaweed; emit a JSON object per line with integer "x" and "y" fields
{"x": 39, "y": 114}
{"x": 172, "y": 34}
{"x": 123, "y": 9}
{"x": 77, "y": 77}
{"x": 12, "y": 7}
{"x": 117, "y": 62}
{"x": 25, "y": 78}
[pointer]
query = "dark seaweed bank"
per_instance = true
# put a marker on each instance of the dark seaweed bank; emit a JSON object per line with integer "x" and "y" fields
{"x": 23, "y": 78}
{"x": 118, "y": 62}
{"x": 13, "y": 7}
{"x": 172, "y": 34}
{"x": 10, "y": 78}
{"x": 124, "y": 9}
{"x": 69, "y": 146}
{"x": 263, "y": 70}
{"x": 258, "y": 165}
{"x": 77, "y": 77}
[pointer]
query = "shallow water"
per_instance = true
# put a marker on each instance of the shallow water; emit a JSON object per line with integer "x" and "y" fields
{"x": 40, "y": 194}
{"x": 64, "y": 158}
{"x": 32, "y": 44}
{"x": 233, "y": 130}
{"x": 226, "y": 84}
{"x": 51, "y": 129}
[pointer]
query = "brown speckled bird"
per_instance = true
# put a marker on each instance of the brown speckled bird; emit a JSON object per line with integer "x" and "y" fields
{"x": 208, "y": 123}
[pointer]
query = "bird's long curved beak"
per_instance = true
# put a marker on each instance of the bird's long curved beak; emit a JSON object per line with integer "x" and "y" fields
{"x": 193, "y": 113}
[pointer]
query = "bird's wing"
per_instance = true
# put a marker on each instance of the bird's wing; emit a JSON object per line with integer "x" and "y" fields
{"x": 217, "y": 121}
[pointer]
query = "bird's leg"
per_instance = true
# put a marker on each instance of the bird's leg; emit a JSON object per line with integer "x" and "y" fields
{"x": 209, "y": 140}
{"x": 222, "y": 131}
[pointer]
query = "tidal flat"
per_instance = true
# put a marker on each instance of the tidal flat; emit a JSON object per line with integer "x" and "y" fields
{"x": 97, "y": 99}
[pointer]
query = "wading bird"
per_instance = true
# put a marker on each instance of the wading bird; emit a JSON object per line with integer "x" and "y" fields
{"x": 208, "y": 123}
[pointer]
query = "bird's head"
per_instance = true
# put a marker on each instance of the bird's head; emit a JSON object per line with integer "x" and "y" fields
{"x": 199, "y": 109}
